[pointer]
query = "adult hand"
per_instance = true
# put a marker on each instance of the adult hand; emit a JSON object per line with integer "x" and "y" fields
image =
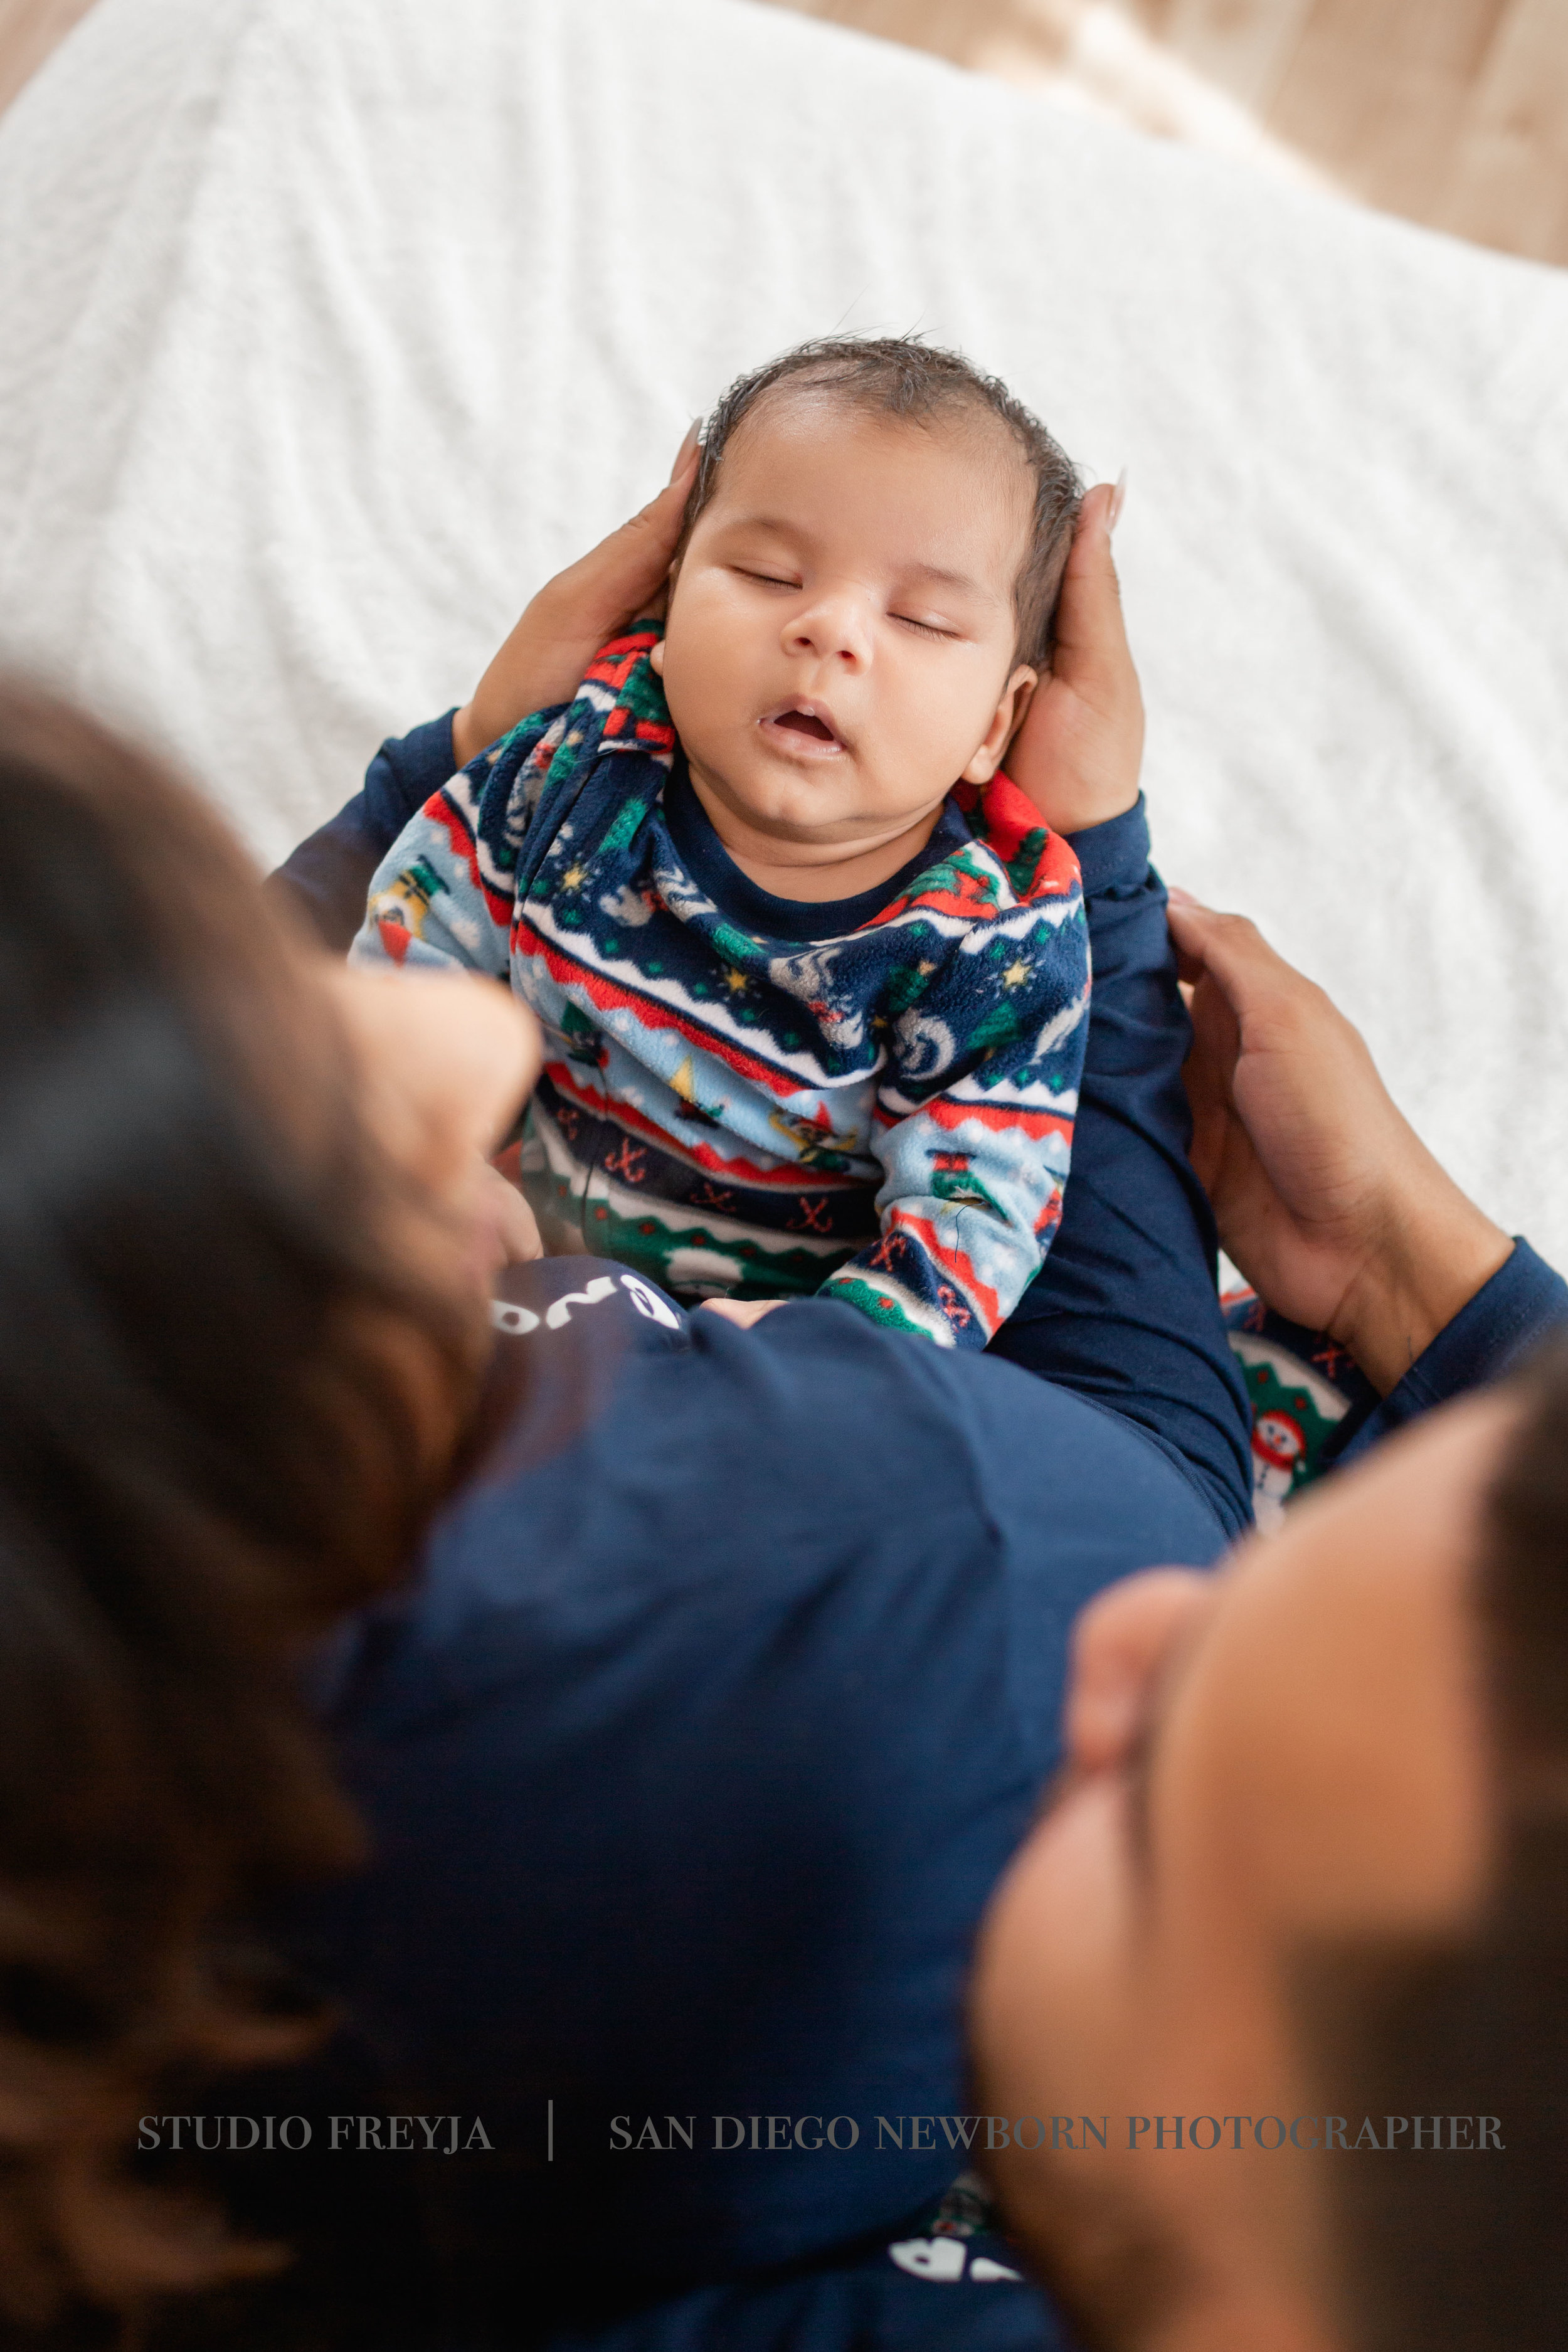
{"x": 742, "y": 1312}
{"x": 511, "y": 1228}
{"x": 1325, "y": 1197}
{"x": 1081, "y": 747}
{"x": 620, "y": 580}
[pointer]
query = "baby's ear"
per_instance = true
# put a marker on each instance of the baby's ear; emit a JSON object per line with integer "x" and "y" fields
{"x": 1005, "y": 725}
{"x": 1027, "y": 687}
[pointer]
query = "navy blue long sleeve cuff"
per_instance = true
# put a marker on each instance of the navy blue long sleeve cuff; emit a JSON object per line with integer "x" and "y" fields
{"x": 1524, "y": 1301}
{"x": 1115, "y": 853}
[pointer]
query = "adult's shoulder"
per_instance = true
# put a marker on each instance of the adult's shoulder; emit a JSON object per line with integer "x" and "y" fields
{"x": 690, "y": 1482}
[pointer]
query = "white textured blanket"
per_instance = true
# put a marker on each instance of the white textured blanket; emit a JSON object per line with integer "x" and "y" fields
{"x": 328, "y": 327}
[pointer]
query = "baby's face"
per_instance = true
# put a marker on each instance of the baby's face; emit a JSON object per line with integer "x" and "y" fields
{"x": 840, "y": 646}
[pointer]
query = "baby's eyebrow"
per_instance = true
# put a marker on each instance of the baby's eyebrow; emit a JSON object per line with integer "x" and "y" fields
{"x": 937, "y": 577}
{"x": 780, "y": 523}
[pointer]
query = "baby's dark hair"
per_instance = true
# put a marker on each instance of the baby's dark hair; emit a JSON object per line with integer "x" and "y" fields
{"x": 899, "y": 375}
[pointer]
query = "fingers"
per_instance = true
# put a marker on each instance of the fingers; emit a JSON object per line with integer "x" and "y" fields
{"x": 621, "y": 580}
{"x": 511, "y": 1229}
{"x": 1092, "y": 661}
{"x": 643, "y": 549}
{"x": 1079, "y": 753}
{"x": 1090, "y": 631}
{"x": 1251, "y": 976}
{"x": 689, "y": 449}
{"x": 1187, "y": 935}
{"x": 742, "y": 1312}
{"x": 1244, "y": 997}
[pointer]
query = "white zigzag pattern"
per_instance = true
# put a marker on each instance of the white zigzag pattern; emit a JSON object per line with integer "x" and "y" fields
{"x": 705, "y": 1013}
{"x": 1029, "y": 917}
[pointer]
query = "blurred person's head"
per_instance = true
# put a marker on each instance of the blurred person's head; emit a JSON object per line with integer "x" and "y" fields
{"x": 863, "y": 597}
{"x": 242, "y": 1324}
{"x": 1308, "y": 1868}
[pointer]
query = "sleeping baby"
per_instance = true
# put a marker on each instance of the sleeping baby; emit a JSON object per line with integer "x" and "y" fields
{"x": 813, "y": 973}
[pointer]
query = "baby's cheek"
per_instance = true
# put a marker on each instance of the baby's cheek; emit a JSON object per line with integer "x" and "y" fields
{"x": 918, "y": 754}
{"x": 704, "y": 674}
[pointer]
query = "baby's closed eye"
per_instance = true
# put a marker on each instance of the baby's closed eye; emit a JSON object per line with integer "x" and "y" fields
{"x": 926, "y": 628}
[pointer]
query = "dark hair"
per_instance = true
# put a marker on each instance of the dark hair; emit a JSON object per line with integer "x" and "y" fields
{"x": 224, "y": 1415}
{"x": 899, "y": 375}
{"x": 1450, "y": 2252}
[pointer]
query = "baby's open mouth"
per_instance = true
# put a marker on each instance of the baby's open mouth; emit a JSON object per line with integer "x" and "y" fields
{"x": 805, "y": 722}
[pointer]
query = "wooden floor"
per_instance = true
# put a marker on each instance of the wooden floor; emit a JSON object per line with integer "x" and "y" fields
{"x": 1452, "y": 111}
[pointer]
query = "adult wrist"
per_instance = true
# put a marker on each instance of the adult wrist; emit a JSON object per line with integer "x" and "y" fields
{"x": 1433, "y": 1257}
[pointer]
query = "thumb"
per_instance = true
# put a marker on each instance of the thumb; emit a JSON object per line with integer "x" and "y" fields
{"x": 1264, "y": 992}
{"x": 1187, "y": 920}
{"x": 1091, "y": 645}
{"x": 624, "y": 578}
{"x": 689, "y": 449}
{"x": 652, "y": 535}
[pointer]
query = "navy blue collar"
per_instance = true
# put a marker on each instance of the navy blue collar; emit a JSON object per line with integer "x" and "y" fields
{"x": 796, "y": 921}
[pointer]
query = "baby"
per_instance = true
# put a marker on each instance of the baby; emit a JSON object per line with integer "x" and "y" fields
{"x": 813, "y": 973}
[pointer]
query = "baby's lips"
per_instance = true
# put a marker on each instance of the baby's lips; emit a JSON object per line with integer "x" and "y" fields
{"x": 806, "y": 708}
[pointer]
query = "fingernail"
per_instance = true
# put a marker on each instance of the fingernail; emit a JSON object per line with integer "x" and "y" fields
{"x": 1118, "y": 501}
{"x": 683, "y": 455}
{"x": 1180, "y": 898}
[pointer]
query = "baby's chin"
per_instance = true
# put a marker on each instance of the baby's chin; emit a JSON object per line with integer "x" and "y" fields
{"x": 814, "y": 802}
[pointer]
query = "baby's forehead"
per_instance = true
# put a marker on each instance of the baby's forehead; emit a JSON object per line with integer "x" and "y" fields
{"x": 795, "y": 436}
{"x": 935, "y": 434}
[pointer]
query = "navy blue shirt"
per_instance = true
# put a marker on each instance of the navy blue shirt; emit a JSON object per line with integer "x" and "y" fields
{"x": 725, "y": 1689}
{"x": 691, "y": 1761}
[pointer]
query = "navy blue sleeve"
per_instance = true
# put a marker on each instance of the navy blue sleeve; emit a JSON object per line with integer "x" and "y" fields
{"x": 1125, "y": 1310}
{"x": 1525, "y": 1300}
{"x": 328, "y": 876}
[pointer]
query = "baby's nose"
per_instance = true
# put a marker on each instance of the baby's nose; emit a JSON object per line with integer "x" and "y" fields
{"x": 834, "y": 627}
